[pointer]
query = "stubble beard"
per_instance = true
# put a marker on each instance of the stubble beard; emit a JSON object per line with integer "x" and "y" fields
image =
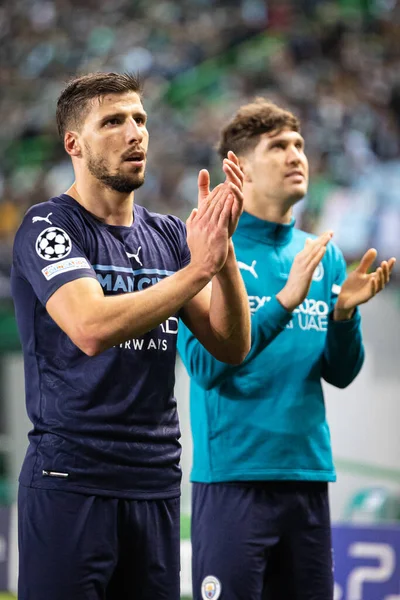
{"x": 124, "y": 184}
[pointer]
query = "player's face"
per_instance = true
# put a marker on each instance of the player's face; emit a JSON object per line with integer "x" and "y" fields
{"x": 115, "y": 141}
{"x": 278, "y": 167}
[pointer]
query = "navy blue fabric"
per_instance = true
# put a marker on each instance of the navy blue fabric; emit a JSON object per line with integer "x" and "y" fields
{"x": 263, "y": 540}
{"x": 108, "y": 423}
{"x": 78, "y": 547}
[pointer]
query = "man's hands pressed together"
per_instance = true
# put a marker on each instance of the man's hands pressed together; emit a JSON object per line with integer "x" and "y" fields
{"x": 212, "y": 224}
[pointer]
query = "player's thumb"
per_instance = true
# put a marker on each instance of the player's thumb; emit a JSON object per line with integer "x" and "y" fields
{"x": 367, "y": 260}
{"x": 203, "y": 183}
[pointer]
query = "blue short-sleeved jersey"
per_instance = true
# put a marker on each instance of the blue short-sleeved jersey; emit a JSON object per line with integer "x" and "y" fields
{"x": 106, "y": 424}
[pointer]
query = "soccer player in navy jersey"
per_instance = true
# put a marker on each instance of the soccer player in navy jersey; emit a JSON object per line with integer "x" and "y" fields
{"x": 99, "y": 285}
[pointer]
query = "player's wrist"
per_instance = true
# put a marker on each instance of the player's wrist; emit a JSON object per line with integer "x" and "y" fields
{"x": 231, "y": 249}
{"x": 286, "y": 299}
{"x": 230, "y": 263}
{"x": 199, "y": 273}
{"x": 342, "y": 314}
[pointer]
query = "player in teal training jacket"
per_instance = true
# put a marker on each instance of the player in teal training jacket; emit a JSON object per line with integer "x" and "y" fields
{"x": 262, "y": 450}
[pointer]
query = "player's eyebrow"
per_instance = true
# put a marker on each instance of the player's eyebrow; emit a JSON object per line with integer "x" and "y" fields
{"x": 123, "y": 115}
{"x": 281, "y": 138}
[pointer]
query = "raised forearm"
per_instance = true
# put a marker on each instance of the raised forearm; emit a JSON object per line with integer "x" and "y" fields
{"x": 344, "y": 352}
{"x": 229, "y": 309}
{"x": 96, "y": 322}
{"x": 268, "y": 322}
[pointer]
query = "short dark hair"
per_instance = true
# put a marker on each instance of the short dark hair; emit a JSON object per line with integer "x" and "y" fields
{"x": 243, "y": 131}
{"x": 73, "y": 103}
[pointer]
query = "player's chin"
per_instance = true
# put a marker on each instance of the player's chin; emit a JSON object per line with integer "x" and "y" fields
{"x": 124, "y": 184}
{"x": 298, "y": 191}
{"x": 134, "y": 174}
{"x": 137, "y": 181}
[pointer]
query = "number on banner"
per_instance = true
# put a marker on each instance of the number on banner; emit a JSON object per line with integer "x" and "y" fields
{"x": 337, "y": 592}
{"x": 382, "y": 552}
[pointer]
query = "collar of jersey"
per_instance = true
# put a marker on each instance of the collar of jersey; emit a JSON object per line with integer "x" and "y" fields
{"x": 71, "y": 201}
{"x": 265, "y": 231}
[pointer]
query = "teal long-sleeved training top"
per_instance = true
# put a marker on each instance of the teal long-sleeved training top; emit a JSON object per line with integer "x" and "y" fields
{"x": 265, "y": 419}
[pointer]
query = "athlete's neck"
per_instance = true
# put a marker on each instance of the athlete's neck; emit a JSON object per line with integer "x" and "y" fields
{"x": 268, "y": 210}
{"x": 107, "y": 205}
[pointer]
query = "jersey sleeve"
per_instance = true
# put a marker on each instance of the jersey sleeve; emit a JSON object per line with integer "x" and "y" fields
{"x": 49, "y": 250}
{"x": 344, "y": 349}
{"x": 208, "y": 372}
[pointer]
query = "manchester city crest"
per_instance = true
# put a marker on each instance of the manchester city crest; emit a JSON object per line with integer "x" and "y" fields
{"x": 319, "y": 272}
{"x": 210, "y": 588}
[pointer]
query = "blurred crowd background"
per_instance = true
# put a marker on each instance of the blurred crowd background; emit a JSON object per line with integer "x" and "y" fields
{"x": 335, "y": 64}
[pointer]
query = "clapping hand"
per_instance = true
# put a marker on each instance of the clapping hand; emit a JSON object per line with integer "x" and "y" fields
{"x": 301, "y": 273}
{"x": 360, "y": 285}
{"x": 234, "y": 178}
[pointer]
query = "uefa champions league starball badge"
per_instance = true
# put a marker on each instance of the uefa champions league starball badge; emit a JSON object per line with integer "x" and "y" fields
{"x": 53, "y": 243}
{"x": 210, "y": 588}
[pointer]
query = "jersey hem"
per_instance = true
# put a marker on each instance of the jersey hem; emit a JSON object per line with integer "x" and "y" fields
{"x": 270, "y": 475}
{"x": 89, "y": 491}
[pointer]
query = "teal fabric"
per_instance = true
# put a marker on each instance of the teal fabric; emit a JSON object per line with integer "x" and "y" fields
{"x": 265, "y": 419}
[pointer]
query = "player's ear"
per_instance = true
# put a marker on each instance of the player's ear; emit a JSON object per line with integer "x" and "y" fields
{"x": 246, "y": 169}
{"x": 72, "y": 144}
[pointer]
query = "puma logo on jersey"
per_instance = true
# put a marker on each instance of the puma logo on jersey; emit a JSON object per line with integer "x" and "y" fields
{"x": 135, "y": 256}
{"x": 251, "y": 268}
{"x": 47, "y": 219}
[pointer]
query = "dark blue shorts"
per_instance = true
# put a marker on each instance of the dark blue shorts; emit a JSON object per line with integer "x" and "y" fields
{"x": 76, "y": 547}
{"x": 261, "y": 541}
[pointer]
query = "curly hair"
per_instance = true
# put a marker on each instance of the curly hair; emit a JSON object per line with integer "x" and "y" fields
{"x": 243, "y": 131}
